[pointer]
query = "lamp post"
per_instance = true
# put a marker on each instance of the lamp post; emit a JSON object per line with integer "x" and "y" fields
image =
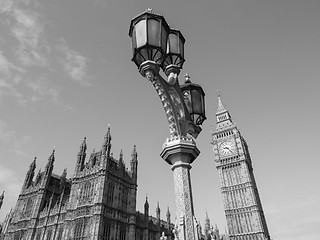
{"x": 155, "y": 46}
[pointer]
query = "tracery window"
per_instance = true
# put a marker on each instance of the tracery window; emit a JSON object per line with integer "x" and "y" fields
{"x": 38, "y": 236}
{"x": 49, "y": 233}
{"x": 79, "y": 228}
{"x": 123, "y": 231}
{"x": 124, "y": 202}
{"x": 28, "y": 208}
{"x": 59, "y": 237}
{"x": 106, "y": 230}
{"x": 86, "y": 193}
{"x": 110, "y": 193}
{"x": 18, "y": 235}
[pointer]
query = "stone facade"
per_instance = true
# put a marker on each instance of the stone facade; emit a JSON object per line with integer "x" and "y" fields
{"x": 98, "y": 202}
{"x": 244, "y": 213}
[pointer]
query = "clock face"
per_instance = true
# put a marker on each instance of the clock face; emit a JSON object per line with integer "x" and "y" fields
{"x": 227, "y": 148}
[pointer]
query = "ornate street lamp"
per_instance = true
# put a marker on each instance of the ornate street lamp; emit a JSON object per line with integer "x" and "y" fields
{"x": 155, "y": 46}
{"x": 149, "y": 32}
{"x": 193, "y": 95}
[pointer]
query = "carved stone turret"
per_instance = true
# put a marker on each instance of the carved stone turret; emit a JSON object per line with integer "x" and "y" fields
{"x": 106, "y": 146}
{"x": 30, "y": 173}
{"x": 1, "y": 200}
{"x": 146, "y": 208}
{"x": 134, "y": 163}
{"x": 81, "y": 155}
{"x": 158, "y": 212}
{"x": 49, "y": 166}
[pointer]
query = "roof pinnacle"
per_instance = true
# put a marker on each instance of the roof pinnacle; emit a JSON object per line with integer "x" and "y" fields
{"x": 221, "y": 108}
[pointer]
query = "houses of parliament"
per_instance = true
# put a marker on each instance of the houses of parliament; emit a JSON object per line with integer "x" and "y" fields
{"x": 99, "y": 201}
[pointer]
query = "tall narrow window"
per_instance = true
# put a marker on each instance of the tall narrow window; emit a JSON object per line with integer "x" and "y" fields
{"x": 49, "y": 233}
{"x": 59, "y": 237}
{"x": 86, "y": 193}
{"x": 38, "y": 236}
{"x": 79, "y": 228}
{"x": 27, "y": 211}
{"x": 106, "y": 230}
{"x": 123, "y": 231}
{"x": 110, "y": 193}
{"x": 124, "y": 202}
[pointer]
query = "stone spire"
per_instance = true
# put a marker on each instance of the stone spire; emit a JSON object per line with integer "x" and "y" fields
{"x": 121, "y": 163}
{"x": 223, "y": 116}
{"x": 146, "y": 207}
{"x": 1, "y": 199}
{"x": 49, "y": 166}
{"x": 158, "y": 212}
{"x": 83, "y": 146}
{"x": 32, "y": 166}
{"x": 168, "y": 215}
{"x": 107, "y": 142}
{"x": 30, "y": 173}
{"x": 221, "y": 107}
{"x": 134, "y": 163}
{"x": 207, "y": 226}
{"x": 134, "y": 153}
{"x": 82, "y": 154}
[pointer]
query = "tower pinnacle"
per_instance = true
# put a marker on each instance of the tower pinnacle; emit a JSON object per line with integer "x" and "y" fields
{"x": 221, "y": 107}
{"x": 106, "y": 147}
{"x": 223, "y": 116}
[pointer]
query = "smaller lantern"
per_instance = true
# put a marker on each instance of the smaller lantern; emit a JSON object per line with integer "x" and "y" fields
{"x": 175, "y": 51}
{"x": 193, "y": 95}
{"x": 149, "y": 32}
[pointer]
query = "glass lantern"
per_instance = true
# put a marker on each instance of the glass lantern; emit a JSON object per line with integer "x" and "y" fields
{"x": 193, "y": 95}
{"x": 149, "y": 32}
{"x": 175, "y": 50}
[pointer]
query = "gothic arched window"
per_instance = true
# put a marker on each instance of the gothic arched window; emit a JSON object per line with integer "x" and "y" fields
{"x": 110, "y": 193}
{"x": 49, "y": 233}
{"x": 86, "y": 192}
{"x": 124, "y": 202}
{"x": 60, "y": 233}
{"x": 106, "y": 230}
{"x": 123, "y": 231}
{"x": 79, "y": 228}
{"x": 28, "y": 208}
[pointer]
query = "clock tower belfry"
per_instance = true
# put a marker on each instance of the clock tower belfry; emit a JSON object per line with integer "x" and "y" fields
{"x": 243, "y": 209}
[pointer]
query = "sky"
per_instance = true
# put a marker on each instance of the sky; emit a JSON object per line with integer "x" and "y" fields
{"x": 66, "y": 73}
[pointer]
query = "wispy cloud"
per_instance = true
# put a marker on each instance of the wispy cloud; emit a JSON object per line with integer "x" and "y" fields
{"x": 74, "y": 63}
{"x": 9, "y": 77}
{"x": 28, "y": 30}
{"x": 27, "y": 54}
{"x": 42, "y": 88}
{"x": 11, "y": 142}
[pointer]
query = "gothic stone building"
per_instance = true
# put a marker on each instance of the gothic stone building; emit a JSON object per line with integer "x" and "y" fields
{"x": 243, "y": 208}
{"x": 99, "y": 202}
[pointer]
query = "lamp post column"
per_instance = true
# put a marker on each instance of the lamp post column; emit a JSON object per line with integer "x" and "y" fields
{"x": 181, "y": 152}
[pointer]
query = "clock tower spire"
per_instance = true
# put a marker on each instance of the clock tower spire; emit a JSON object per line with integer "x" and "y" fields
{"x": 223, "y": 116}
{"x": 243, "y": 208}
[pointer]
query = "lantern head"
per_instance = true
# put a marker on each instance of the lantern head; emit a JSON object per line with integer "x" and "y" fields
{"x": 174, "y": 59}
{"x": 149, "y": 32}
{"x": 193, "y": 95}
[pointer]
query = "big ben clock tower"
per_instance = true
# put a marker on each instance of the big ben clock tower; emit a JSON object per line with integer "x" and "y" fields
{"x": 243, "y": 209}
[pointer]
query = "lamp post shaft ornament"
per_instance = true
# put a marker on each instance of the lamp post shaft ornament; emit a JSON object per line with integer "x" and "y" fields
{"x": 155, "y": 46}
